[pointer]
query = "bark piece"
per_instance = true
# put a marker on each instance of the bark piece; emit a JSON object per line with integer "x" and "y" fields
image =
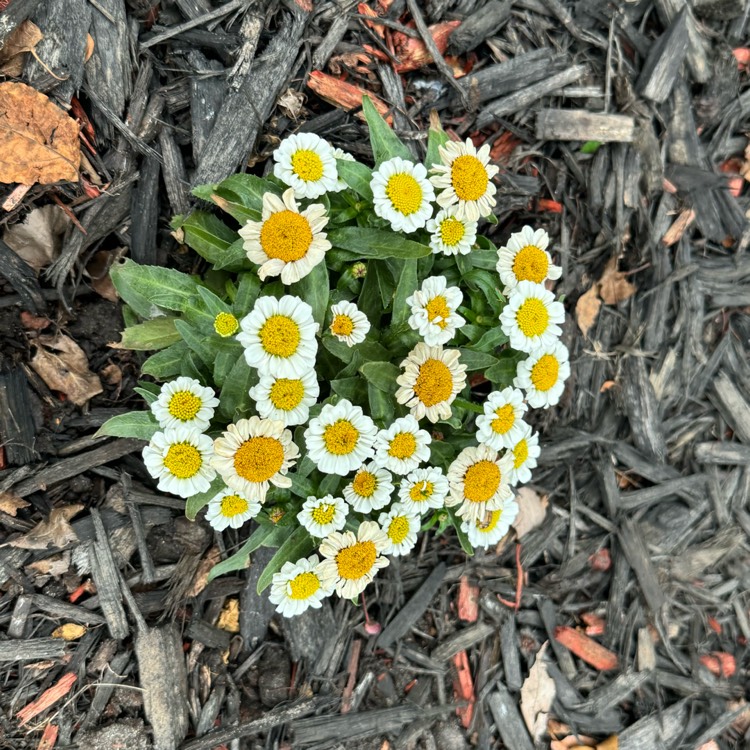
{"x": 579, "y": 125}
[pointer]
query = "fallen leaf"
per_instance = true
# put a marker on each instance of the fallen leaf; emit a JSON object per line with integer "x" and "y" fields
{"x": 200, "y": 580}
{"x": 97, "y": 269}
{"x": 611, "y": 743}
{"x": 11, "y": 504}
{"x": 54, "y": 565}
{"x": 537, "y": 695}
{"x": 54, "y": 530}
{"x": 587, "y": 309}
{"x": 71, "y": 631}
{"x": 38, "y": 141}
{"x": 90, "y": 45}
{"x": 38, "y": 238}
{"x": 63, "y": 366}
{"x": 229, "y": 619}
{"x": 23, "y": 39}
{"x": 613, "y": 286}
{"x": 291, "y": 103}
{"x": 532, "y": 508}
{"x": 413, "y": 53}
{"x": 31, "y": 322}
{"x": 742, "y": 723}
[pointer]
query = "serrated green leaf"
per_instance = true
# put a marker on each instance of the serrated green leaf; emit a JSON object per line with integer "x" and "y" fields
{"x": 382, "y": 375}
{"x": 407, "y": 285}
{"x": 385, "y": 143}
{"x": 151, "y": 335}
{"x": 436, "y": 137}
{"x": 166, "y": 363}
{"x": 314, "y": 289}
{"x": 234, "y": 401}
{"x": 476, "y": 360}
{"x": 357, "y": 176}
{"x": 196, "y": 503}
{"x": 298, "y": 545}
{"x": 362, "y": 242}
{"x": 164, "y": 287}
{"x": 134, "y": 424}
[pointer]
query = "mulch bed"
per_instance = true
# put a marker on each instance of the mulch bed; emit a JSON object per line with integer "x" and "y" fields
{"x": 622, "y": 130}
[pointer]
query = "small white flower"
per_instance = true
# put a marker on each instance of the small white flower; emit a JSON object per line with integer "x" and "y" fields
{"x": 493, "y": 526}
{"x": 323, "y": 515}
{"x": 423, "y": 490}
{"x": 403, "y": 446}
{"x": 502, "y": 425}
{"x": 348, "y": 323}
{"x": 402, "y": 194}
{"x": 306, "y": 162}
{"x": 286, "y": 242}
{"x": 370, "y": 489}
{"x": 401, "y": 526}
{"x": 524, "y": 453}
{"x": 530, "y": 319}
{"x": 339, "y": 153}
{"x": 231, "y": 508}
{"x": 286, "y": 399}
{"x": 341, "y": 438}
{"x": 300, "y": 585}
{"x": 279, "y": 337}
{"x": 465, "y": 178}
{"x": 184, "y": 402}
{"x": 525, "y": 258}
{"x": 433, "y": 310}
{"x": 543, "y": 374}
{"x": 450, "y": 234}
{"x": 354, "y": 559}
{"x": 180, "y": 458}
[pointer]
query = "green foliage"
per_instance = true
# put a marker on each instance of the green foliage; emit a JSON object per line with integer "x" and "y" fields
{"x": 298, "y": 544}
{"x": 385, "y": 143}
{"x": 151, "y": 335}
{"x": 361, "y": 242}
{"x": 134, "y": 424}
{"x": 161, "y": 287}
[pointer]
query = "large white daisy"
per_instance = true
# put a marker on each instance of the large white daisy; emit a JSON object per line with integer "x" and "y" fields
{"x": 184, "y": 402}
{"x": 231, "y": 508}
{"x": 502, "y": 425}
{"x": 306, "y": 163}
{"x": 286, "y": 242}
{"x": 402, "y": 194}
{"x": 530, "y": 319}
{"x": 341, "y": 438}
{"x": 525, "y": 258}
{"x": 403, "y": 446}
{"x": 348, "y": 323}
{"x": 525, "y": 453}
{"x": 180, "y": 458}
{"x": 434, "y": 310}
{"x": 450, "y": 234}
{"x": 279, "y": 337}
{"x": 424, "y": 489}
{"x": 490, "y": 528}
{"x": 253, "y": 454}
{"x": 542, "y": 375}
{"x": 401, "y": 526}
{"x": 300, "y": 585}
{"x": 322, "y": 516}
{"x": 286, "y": 399}
{"x": 370, "y": 489}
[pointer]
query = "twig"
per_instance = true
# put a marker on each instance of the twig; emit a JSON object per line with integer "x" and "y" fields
{"x": 519, "y": 583}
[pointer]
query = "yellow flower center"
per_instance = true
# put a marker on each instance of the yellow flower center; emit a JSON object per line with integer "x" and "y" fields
{"x": 341, "y": 437}
{"x": 520, "y": 453}
{"x": 469, "y": 177}
{"x": 184, "y": 405}
{"x": 434, "y": 383}
{"x": 342, "y": 325}
{"x": 481, "y": 481}
{"x": 356, "y": 561}
{"x": 421, "y": 492}
{"x": 324, "y": 514}
{"x": 307, "y": 165}
{"x": 303, "y": 586}
{"x": 531, "y": 264}
{"x": 404, "y": 192}
{"x": 259, "y": 458}
{"x": 286, "y": 235}
{"x": 452, "y": 231}
{"x": 286, "y": 394}
{"x": 233, "y": 505}
{"x": 504, "y": 419}
{"x": 544, "y": 373}
{"x": 486, "y": 524}
{"x": 438, "y": 311}
{"x": 364, "y": 483}
{"x": 280, "y": 336}
{"x": 183, "y": 460}
{"x": 398, "y": 529}
{"x": 532, "y": 317}
{"x": 225, "y": 324}
{"x": 403, "y": 445}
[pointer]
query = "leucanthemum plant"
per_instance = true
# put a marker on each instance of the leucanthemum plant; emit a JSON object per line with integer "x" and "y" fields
{"x": 357, "y": 367}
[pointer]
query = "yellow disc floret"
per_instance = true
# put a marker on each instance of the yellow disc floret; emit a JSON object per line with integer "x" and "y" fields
{"x": 469, "y": 177}
{"x": 434, "y": 382}
{"x": 233, "y": 505}
{"x": 364, "y": 483}
{"x": 489, "y": 522}
{"x": 520, "y": 453}
{"x": 307, "y": 165}
{"x": 280, "y": 336}
{"x": 545, "y": 372}
{"x": 303, "y": 586}
{"x": 286, "y": 235}
{"x": 356, "y": 561}
{"x": 398, "y": 529}
{"x": 225, "y": 324}
{"x": 323, "y": 514}
{"x": 404, "y": 192}
{"x": 184, "y": 405}
{"x": 481, "y": 481}
{"x": 183, "y": 460}
{"x": 531, "y": 264}
{"x": 438, "y": 311}
{"x": 421, "y": 492}
{"x": 342, "y": 325}
{"x": 532, "y": 317}
{"x": 259, "y": 458}
{"x": 504, "y": 419}
{"x": 452, "y": 231}
{"x": 286, "y": 394}
{"x": 403, "y": 445}
{"x": 341, "y": 437}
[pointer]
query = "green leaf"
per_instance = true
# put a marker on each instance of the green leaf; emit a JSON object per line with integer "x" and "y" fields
{"x": 485, "y": 259}
{"x": 590, "y": 147}
{"x": 463, "y": 539}
{"x": 213, "y": 304}
{"x": 357, "y": 176}
{"x": 247, "y": 292}
{"x": 211, "y": 238}
{"x": 301, "y": 486}
{"x": 134, "y": 424}
{"x": 204, "y": 347}
{"x": 382, "y": 375}
{"x": 503, "y": 372}
{"x": 164, "y": 287}
{"x": 225, "y": 360}
{"x": 349, "y": 388}
{"x": 196, "y": 503}
{"x": 385, "y": 143}
{"x": 238, "y": 561}
{"x": 154, "y": 334}
{"x": 298, "y": 545}
{"x": 382, "y": 404}
{"x": 407, "y": 285}
{"x": 436, "y": 137}
{"x": 146, "y": 394}
{"x": 329, "y": 485}
{"x": 363, "y": 242}
{"x": 241, "y": 190}
{"x": 314, "y": 289}
{"x": 442, "y": 453}
{"x": 491, "y": 340}
{"x": 476, "y": 360}
{"x": 166, "y": 363}
{"x": 234, "y": 401}
{"x": 234, "y": 258}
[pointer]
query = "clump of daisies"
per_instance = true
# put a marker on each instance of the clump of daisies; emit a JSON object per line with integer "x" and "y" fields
{"x": 358, "y": 367}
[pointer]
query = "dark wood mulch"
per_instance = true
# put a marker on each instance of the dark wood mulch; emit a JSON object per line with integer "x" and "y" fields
{"x": 621, "y": 129}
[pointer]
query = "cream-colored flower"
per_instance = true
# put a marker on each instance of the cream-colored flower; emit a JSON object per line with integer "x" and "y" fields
{"x": 402, "y": 194}
{"x": 342, "y": 155}
{"x": 348, "y": 323}
{"x": 370, "y": 489}
{"x": 401, "y": 526}
{"x": 231, "y": 508}
{"x": 306, "y": 163}
{"x": 286, "y": 399}
{"x": 434, "y": 310}
{"x": 286, "y": 242}
{"x": 403, "y": 446}
{"x": 542, "y": 375}
{"x": 424, "y": 489}
{"x": 184, "y": 402}
{"x": 525, "y": 258}
{"x": 530, "y": 319}
{"x": 502, "y": 425}
{"x": 451, "y": 235}
{"x": 492, "y": 526}
{"x": 524, "y": 453}
{"x": 300, "y": 585}
{"x": 431, "y": 380}
{"x": 322, "y": 516}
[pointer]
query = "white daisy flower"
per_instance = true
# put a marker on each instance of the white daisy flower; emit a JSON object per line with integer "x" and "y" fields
{"x": 348, "y": 323}
{"x": 184, "y": 402}
{"x": 339, "y": 153}
{"x": 431, "y": 380}
{"x": 402, "y": 194}
{"x": 502, "y": 425}
{"x": 341, "y": 438}
{"x": 465, "y": 178}
{"x": 401, "y": 526}
{"x": 323, "y": 515}
{"x": 306, "y": 162}
{"x": 525, "y": 258}
{"x": 542, "y": 375}
{"x": 279, "y": 337}
{"x": 524, "y": 453}
{"x": 493, "y": 526}
{"x": 423, "y": 490}
{"x": 433, "y": 310}
{"x": 354, "y": 559}
{"x": 286, "y": 242}
{"x": 180, "y": 458}
{"x": 403, "y": 446}
{"x": 370, "y": 489}
{"x": 530, "y": 319}
{"x": 450, "y": 234}
{"x": 286, "y": 399}
{"x": 231, "y": 508}
{"x": 300, "y": 585}
{"x": 225, "y": 324}
{"x": 254, "y": 453}
{"x": 478, "y": 479}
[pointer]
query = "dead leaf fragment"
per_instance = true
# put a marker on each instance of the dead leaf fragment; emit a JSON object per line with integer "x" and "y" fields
{"x": 55, "y": 530}
{"x": 24, "y": 39}
{"x": 291, "y": 103}
{"x": 54, "y": 565}
{"x": 38, "y": 238}
{"x": 71, "y": 631}
{"x": 532, "y": 508}
{"x": 38, "y": 141}
{"x": 587, "y": 309}
{"x": 11, "y": 503}
{"x": 537, "y": 695}
{"x": 613, "y": 286}
{"x": 229, "y": 619}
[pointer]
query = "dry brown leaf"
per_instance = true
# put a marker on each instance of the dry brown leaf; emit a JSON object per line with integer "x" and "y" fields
{"x": 63, "y": 366}
{"x": 38, "y": 141}
{"x": 532, "y": 508}
{"x": 71, "y": 631}
{"x": 98, "y": 270}
{"x": 55, "y": 530}
{"x": 54, "y": 565}
{"x": 11, "y": 504}
{"x": 23, "y": 39}
{"x": 38, "y": 239}
{"x": 537, "y": 695}
{"x": 229, "y": 619}
{"x": 587, "y": 309}
{"x": 291, "y": 103}
{"x": 611, "y": 743}
{"x": 89, "y": 47}
{"x": 613, "y": 286}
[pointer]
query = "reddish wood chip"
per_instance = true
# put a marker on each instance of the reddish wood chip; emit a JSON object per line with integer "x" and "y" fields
{"x": 49, "y": 697}
{"x": 585, "y": 648}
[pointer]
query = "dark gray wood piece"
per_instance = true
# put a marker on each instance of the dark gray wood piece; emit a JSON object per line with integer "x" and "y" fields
{"x": 462, "y": 640}
{"x": 632, "y": 544}
{"x": 733, "y": 405}
{"x": 145, "y": 213}
{"x": 662, "y": 66}
{"x": 256, "y": 610}
{"x": 114, "y": 674}
{"x": 207, "y": 92}
{"x": 309, "y": 634}
{"x": 175, "y": 176}
{"x": 64, "y": 611}
{"x": 508, "y": 721}
{"x": 22, "y": 278}
{"x": 511, "y": 654}
{"x": 642, "y": 407}
{"x": 481, "y": 24}
{"x": 662, "y": 728}
{"x": 17, "y": 430}
{"x": 700, "y": 68}
{"x": 16, "y": 13}
{"x": 31, "y": 649}
{"x": 579, "y": 125}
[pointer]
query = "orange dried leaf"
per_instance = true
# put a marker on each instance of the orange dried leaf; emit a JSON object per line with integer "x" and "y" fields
{"x": 229, "y": 619}
{"x": 71, "y": 631}
{"x": 342, "y": 94}
{"x": 613, "y": 286}
{"x": 11, "y": 503}
{"x": 24, "y": 39}
{"x": 611, "y": 743}
{"x": 49, "y": 697}
{"x": 587, "y": 309}
{"x": 679, "y": 225}
{"x": 585, "y": 648}
{"x": 413, "y": 53}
